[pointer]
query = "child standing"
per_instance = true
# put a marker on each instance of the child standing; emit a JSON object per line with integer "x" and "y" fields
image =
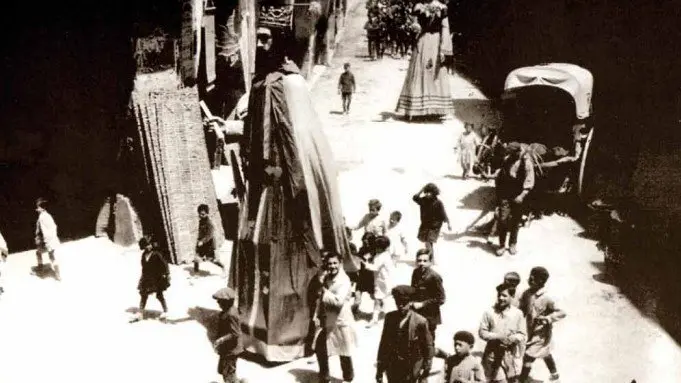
{"x": 462, "y": 367}
{"x": 398, "y": 242}
{"x": 503, "y": 224}
{"x": 373, "y": 222}
{"x": 229, "y": 343}
{"x": 205, "y": 243}
{"x": 384, "y": 270}
{"x": 467, "y": 146}
{"x": 540, "y": 313}
{"x": 346, "y": 87}
{"x": 46, "y": 238}
{"x": 433, "y": 215}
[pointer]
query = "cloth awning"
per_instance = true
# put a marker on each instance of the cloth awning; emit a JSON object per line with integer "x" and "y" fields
{"x": 573, "y": 79}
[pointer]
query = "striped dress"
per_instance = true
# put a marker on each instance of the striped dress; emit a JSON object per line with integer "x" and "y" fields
{"x": 426, "y": 90}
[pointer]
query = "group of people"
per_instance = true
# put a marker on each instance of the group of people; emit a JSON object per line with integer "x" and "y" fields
{"x": 390, "y": 26}
{"x": 517, "y": 329}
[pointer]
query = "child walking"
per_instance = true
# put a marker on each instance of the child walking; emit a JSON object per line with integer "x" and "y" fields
{"x": 383, "y": 267}
{"x": 433, "y": 215}
{"x": 155, "y": 278}
{"x": 462, "y": 367}
{"x": 205, "y": 243}
{"x": 46, "y": 238}
{"x": 346, "y": 87}
{"x": 541, "y": 313}
{"x": 467, "y": 146}
{"x": 229, "y": 344}
{"x": 398, "y": 242}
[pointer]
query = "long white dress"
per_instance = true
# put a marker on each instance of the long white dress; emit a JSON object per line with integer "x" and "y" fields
{"x": 384, "y": 270}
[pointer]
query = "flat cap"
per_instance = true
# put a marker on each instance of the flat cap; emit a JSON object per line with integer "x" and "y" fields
{"x": 403, "y": 292}
{"x": 224, "y": 294}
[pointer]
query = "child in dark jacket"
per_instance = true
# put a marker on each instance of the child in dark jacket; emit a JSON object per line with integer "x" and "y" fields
{"x": 229, "y": 343}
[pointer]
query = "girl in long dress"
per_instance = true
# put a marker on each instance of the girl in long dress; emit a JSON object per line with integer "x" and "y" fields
{"x": 426, "y": 87}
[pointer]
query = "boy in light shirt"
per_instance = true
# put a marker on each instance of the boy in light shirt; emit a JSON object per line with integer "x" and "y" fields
{"x": 398, "y": 242}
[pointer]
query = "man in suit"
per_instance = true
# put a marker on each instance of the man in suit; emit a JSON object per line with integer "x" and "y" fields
{"x": 405, "y": 352}
{"x": 430, "y": 294}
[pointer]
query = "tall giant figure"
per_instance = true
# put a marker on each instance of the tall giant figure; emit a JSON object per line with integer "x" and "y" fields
{"x": 291, "y": 209}
{"x": 426, "y": 87}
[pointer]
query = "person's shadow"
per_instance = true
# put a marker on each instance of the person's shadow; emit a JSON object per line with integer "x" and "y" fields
{"x": 44, "y": 272}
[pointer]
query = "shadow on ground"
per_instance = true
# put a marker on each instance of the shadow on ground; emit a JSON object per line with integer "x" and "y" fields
{"x": 475, "y": 111}
{"x": 481, "y": 198}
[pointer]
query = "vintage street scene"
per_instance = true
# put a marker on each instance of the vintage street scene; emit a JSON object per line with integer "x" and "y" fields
{"x": 401, "y": 191}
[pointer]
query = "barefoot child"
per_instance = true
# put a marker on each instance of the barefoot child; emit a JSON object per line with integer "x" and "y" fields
{"x": 433, "y": 215}
{"x": 540, "y": 313}
{"x": 398, "y": 242}
{"x": 229, "y": 344}
{"x": 462, "y": 367}
{"x": 384, "y": 270}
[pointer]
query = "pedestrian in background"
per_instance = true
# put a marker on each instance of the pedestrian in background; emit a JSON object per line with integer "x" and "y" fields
{"x": 467, "y": 146}
{"x": 333, "y": 316}
{"x": 433, "y": 215}
{"x": 541, "y": 313}
{"x": 503, "y": 328}
{"x": 155, "y": 278}
{"x": 462, "y": 367}
{"x": 229, "y": 343}
{"x": 429, "y": 292}
{"x": 405, "y": 351}
{"x": 46, "y": 238}
{"x": 205, "y": 243}
{"x": 346, "y": 87}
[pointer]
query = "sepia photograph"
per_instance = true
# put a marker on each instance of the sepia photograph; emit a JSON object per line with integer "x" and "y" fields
{"x": 334, "y": 191}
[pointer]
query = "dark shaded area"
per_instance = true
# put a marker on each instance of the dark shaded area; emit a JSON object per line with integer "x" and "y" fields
{"x": 628, "y": 48}
{"x": 68, "y": 71}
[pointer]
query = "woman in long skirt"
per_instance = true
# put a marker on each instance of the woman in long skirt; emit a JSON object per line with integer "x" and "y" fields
{"x": 426, "y": 87}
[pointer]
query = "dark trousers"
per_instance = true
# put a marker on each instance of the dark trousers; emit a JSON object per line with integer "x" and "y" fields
{"x": 432, "y": 326}
{"x": 347, "y": 99}
{"x": 511, "y": 226}
{"x": 374, "y": 47}
{"x": 323, "y": 360}
{"x": 227, "y": 368}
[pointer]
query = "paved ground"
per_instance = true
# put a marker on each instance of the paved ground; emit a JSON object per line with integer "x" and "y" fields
{"x": 77, "y": 330}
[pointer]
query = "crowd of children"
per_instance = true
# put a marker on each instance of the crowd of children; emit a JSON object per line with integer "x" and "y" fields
{"x": 517, "y": 329}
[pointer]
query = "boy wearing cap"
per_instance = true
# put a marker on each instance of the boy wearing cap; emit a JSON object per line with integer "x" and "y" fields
{"x": 462, "y": 367}
{"x": 228, "y": 344}
{"x": 540, "y": 313}
{"x": 405, "y": 352}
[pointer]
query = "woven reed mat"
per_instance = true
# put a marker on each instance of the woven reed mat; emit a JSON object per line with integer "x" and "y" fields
{"x": 169, "y": 123}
